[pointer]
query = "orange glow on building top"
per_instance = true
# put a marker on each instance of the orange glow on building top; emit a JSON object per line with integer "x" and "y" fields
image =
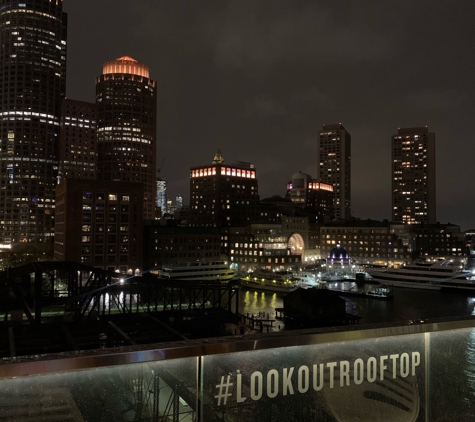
{"x": 126, "y": 65}
{"x": 224, "y": 171}
{"x": 321, "y": 186}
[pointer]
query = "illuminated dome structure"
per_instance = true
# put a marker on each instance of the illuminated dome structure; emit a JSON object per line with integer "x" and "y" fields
{"x": 338, "y": 254}
{"x": 338, "y": 262}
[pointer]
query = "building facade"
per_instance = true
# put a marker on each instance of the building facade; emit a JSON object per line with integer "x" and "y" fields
{"x": 312, "y": 196}
{"x": 78, "y": 144}
{"x": 439, "y": 241}
{"x": 260, "y": 246}
{"x": 334, "y": 166}
{"x": 369, "y": 241}
{"x": 413, "y": 176}
{"x": 223, "y": 195}
{"x": 126, "y": 98}
{"x": 164, "y": 244}
{"x": 32, "y": 84}
{"x": 100, "y": 224}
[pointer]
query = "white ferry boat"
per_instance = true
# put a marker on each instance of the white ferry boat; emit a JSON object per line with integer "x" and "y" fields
{"x": 435, "y": 276}
{"x": 275, "y": 281}
{"x": 200, "y": 271}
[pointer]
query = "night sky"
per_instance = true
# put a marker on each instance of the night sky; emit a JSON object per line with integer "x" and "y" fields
{"x": 259, "y": 78}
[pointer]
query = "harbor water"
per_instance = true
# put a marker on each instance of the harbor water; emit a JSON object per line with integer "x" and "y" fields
{"x": 455, "y": 394}
{"x": 406, "y": 305}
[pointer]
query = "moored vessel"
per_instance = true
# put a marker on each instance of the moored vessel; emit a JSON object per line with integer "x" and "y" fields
{"x": 275, "y": 281}
{"x": 199, "y": 271}
{"x": 421, "y": 275}
{"x": 306, "y": 279}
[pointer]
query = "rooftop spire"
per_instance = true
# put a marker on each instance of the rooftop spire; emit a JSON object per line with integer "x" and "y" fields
{"x": 218, "y": 158}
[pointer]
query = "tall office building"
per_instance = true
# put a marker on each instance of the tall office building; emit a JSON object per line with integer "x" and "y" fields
{"x": 32, "y": 84}
{"x": 77, "y": 140}
{"x": 334, "y": 166}
{"x": 223, "y": 194}
{"x": 126, "y": 126}
{"x": 413, "y": 176}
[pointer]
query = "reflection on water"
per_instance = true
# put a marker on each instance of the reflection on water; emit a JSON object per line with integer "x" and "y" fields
{"x": 408, "y": 304}
{"x": 253, "y": 302}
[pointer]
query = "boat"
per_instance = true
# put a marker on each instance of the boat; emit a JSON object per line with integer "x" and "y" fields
{"x": 306, "y": 279}
{"x": 382, "y": 291}
{"x": 200, "y": 271}
{"x": 275, "y": 281}
{"x": 421, "y": 275}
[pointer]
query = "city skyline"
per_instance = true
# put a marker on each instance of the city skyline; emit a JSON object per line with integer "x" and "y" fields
{"x": 259, "y": 81}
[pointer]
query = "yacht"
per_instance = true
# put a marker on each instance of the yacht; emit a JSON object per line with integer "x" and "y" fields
{"x": 275, "y": 281}
{"x": 200, "y": 271}
{"x": 422, "y": 275}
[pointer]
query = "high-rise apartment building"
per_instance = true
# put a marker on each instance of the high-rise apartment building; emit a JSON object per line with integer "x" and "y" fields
{"x": 223, "y": 194}
{"x": 413, "y": 176}
{"x": 334, "y": 166}
{"x": 32, "y": 84}
{"x": 126, "y": 126}
{"x": 78, "y": 144}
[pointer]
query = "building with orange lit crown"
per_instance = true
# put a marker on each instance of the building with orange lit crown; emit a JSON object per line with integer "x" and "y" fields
{"x": 126, "y": 100}
{"x": 413, "y": 176}
{"x": 334, "y": 166}
{"x": 223, "y": 195}
{"x": 32, "y": 84}
{"x": 312, "y": 196}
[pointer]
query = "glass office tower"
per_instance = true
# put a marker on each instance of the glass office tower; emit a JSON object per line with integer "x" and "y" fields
{"x": 32, "y": 84}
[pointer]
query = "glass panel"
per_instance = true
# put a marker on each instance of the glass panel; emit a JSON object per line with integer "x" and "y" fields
{"x": 378, "y": 380}
{"x": 137, "y": 392}
{"x": 452, "y": 375}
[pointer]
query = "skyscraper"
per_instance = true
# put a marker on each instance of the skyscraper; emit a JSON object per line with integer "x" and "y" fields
{"x": 413, "y": 176}
{"x": 334, "y": 165}
{"x": 77, "y": 140}
{"x": 32, "y": 84}
{"x": 222, "y": 194}
{"x": 126, "y": 126}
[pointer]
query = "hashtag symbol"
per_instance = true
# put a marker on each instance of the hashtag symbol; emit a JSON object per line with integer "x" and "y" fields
{"x": 223, "y": 389}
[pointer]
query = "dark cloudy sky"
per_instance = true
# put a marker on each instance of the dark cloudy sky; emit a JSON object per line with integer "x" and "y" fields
{"x": 259, "y": 78}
